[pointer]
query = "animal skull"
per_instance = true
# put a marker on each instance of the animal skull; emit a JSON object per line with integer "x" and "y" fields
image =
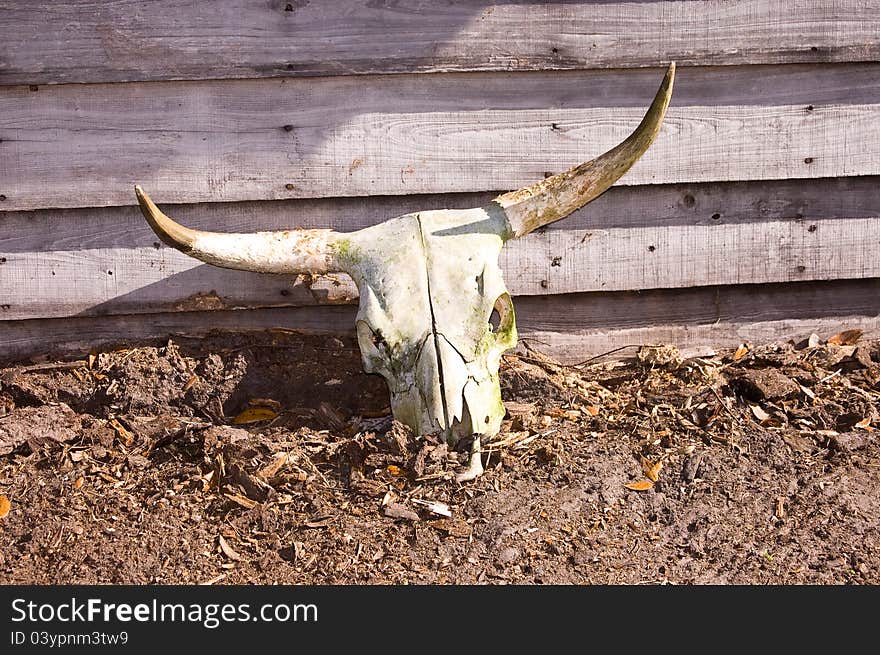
{"x": 429, "y": 283}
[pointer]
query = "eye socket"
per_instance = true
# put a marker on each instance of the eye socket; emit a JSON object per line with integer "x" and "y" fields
{"x": 501, "y": 318}
{"x": 371, "y": 339}
{"x": 494, "y": 320}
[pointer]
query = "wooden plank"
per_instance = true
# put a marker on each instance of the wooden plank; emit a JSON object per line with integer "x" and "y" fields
{"x": 77, "y": 336}
{"x": 115, "y": 40}
{"x": 143, "y": 280}
{"x": 107, "y": 261}
{"x": 740, "y": 304}
{"x": 685, "y": 256}
{"x": 571, "y": 328}
{"x": 700, "y": 320}
{"x": 692, "y": 341}
{"x": 86, "y": 145}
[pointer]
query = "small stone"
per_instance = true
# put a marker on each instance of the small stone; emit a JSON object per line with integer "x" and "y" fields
{"x": 863, "y": 357}
{"x": 765, "y": 384}
{"x": 99, "y": 452}
{"x": 509, "y": 555}
{"x": 691, "y": 467}
{"x": 850, "y": 441}
{"x": 830, "y": 355}
{"x": 138, "y": 461}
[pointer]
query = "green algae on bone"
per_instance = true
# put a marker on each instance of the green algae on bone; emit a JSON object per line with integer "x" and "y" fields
{"x": 346, "y": 252}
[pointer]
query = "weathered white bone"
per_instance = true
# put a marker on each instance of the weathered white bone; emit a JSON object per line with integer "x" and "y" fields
{"x": 286, "y": 251}
{"x": 429, "y": 283}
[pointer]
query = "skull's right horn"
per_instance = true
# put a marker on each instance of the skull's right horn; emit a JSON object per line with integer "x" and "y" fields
{"x": 558, "y": 196}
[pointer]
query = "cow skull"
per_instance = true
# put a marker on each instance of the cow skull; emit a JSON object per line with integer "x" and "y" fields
{"x": 429, "y": 285}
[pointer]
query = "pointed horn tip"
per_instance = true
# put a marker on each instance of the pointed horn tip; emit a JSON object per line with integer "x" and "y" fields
{"x": 170, "y": 232}
{"x": 141, "y": 194}
{"x": 670, "y": 73}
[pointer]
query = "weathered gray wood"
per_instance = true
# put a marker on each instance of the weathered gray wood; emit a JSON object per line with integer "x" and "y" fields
{"x": 620, "y": 207}
{"x": 686, "y": 256}
{"x": 140, "y": 280}
{"x": 86, "y": 145}
{"x": 115, "y": 40}
{"x": 80, "y": 335}
{"x": 571, "y": 328}
{"x": 108, "y": 261}
{"x": 692, "y": 341}
{"x": 749, "y": 303}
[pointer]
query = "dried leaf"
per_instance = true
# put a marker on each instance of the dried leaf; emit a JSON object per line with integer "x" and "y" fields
{"x": 191, "y": 382}
{"x": 845, "y": 338}
{"x": 515, "y": 408}
{"x": 321, "y": 522}
{"x": 271, "y": 469}
{"x": 651, "y": 470}
{"x": 400, "y": 511}
{"x": 244, "y": 501}
{"x": 741, "y": 352}
{"x": 126, "y": 436}
{"x": 255, "y": 415}
{"x": 271, "y": 403}
{"x": 5, "y": 505}
{"x": 570, "y": 414}
{"x": 592, "y": 410}
{"x": 208, "y": 481}
{"x": 228, "y": 550}
{"x": 663, "y": 355}
{"x": 92, "y": 359}
{"x": 452, "y": 527}
{"x": 641, "y": 485}
{"x": 208, "y": 583}
{"x": 759, "y": 413}
{"x": 78, "y": 483}
{"x": 865, "y": 424}
{"x": 780, "y": 508}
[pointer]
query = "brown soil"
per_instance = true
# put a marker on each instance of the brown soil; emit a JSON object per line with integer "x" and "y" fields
{"x": 271, "y": 458}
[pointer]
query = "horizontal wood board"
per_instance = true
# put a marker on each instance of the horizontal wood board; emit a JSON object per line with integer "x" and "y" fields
{"x": 107, "y": 261}
{"x": 569, "y": 327}
{"x": 117, "y": 40}
{"x": 87, "y": 145}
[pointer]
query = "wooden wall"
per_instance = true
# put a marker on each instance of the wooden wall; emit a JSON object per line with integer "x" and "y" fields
{"x": 755, "y": 215}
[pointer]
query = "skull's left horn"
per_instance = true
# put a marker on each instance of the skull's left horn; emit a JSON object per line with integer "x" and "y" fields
{"x": 558, "y": 196}
{"x": 287, "y": 251}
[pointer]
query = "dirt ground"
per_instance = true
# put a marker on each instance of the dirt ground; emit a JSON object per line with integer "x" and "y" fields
{"x": 272, "y": 458}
